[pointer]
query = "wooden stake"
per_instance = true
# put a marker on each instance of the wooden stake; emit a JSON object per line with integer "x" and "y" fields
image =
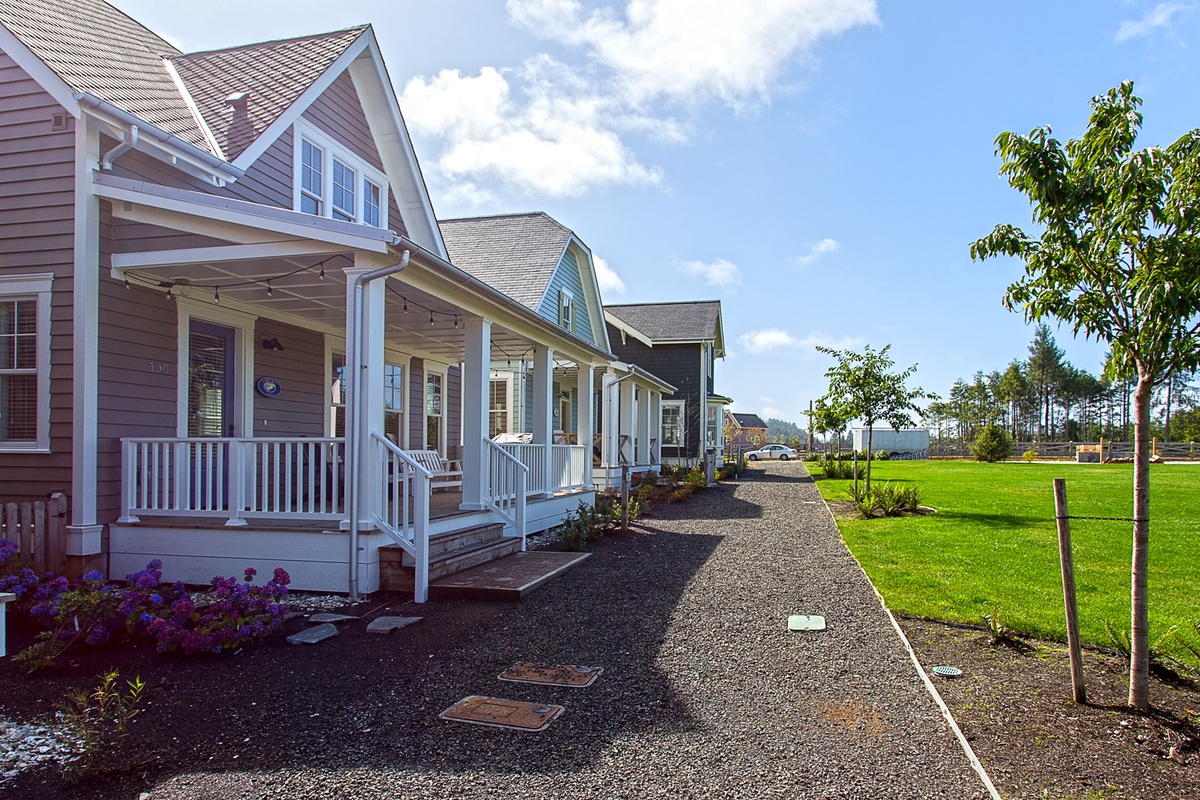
{"x": 1068, "y": 578}
{"x": 625, "y": 497}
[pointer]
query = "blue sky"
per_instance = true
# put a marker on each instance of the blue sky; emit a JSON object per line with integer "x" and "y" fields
{"x": 820, "y": 166}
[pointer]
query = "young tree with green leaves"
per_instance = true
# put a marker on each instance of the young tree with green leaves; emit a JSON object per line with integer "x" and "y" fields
{"x": 1117, "y": 258}
{"x": 864, "y": 387}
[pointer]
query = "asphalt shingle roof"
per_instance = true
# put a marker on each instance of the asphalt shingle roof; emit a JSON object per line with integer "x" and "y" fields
{"x": 514, "y": 253}
{"x": 666, "y": 322}
{"x": 274, "y": 74}
{"x": 749, "y": 420}
{"x": 96, "y": 48}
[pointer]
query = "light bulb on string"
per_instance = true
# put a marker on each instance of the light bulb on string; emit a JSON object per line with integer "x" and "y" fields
{"x": 217, "y": 295}
{"x": 431, "y": 319}
{"x": 269, "y": 292}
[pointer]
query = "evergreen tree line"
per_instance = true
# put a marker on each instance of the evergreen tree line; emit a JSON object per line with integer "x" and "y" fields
{"x": 1046, "y": 398}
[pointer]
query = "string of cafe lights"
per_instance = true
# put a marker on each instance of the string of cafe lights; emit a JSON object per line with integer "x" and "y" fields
{"x": 168, "y": 287}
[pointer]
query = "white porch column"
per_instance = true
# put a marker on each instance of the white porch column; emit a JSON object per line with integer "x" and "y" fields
{"x": 625, "y": 424}
{"x": 643, "y": 425}
{"x": 543, "y": 412}
{"x": 656, "y": 427}
{"x": 367, "y": 366}
{"x": 476, "y": 374}
{"x": 583, "y": 407}
{"x": 608, "y": 421}
{"x": 84, "y": 531}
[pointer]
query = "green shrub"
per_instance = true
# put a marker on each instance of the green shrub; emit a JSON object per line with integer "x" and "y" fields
{"x": 1030, "y": 455}
{"x": 882, "y": 455}
{"x": 99, "y": 723}
{"x": 992, "y": 444}
{"x": 696, "y": 479}
{"x": 884, "y": 499}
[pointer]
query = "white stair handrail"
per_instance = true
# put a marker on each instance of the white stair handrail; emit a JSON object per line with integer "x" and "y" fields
{"x": 402, "y": 478}
{"x": 505, "y": 490}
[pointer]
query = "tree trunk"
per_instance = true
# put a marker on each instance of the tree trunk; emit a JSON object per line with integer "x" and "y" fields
{"x": 1139, "y": 629}
{"x": 870, "y": 428}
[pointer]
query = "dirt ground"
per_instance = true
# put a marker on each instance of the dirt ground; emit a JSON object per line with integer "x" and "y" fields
{"x": 1013, "y": 703}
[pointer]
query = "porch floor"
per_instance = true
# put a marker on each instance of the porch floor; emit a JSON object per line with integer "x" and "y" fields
{"x": 508, "y": 578}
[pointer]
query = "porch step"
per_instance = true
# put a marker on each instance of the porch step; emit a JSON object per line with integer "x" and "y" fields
{"x": 397, "y": 576}
{"x": 449, "y": 541}
{"x": 509, "y": 578}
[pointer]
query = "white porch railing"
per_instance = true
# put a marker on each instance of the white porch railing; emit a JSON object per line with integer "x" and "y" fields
{"x": 531, "y": 456}
{"x": 506, "y": 486}
{"x": 400, "y": 506}
{"x": 291, "y": 477}
{"x": 569, "y": 467}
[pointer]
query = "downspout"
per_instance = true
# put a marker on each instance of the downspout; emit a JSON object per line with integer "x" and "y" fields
{"x": 355, "y": 432}
{"x": 128, "y": 143}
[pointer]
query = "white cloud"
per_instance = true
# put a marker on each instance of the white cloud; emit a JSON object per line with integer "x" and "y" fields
{"x": 721, "y": 274}
{"x": 819, "y": 249}
{"x": 766, "y": 340}
{"x": 692, "y": 50}
{"x": 546, "y": 128}
{"x": 1161, "y": 16}
{"x": 608, "y": 279}
{"x": 550, "y": 142}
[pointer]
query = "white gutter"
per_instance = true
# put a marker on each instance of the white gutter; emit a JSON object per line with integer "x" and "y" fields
{"x": 355, "y": 432}
{"x": 222, "y": 169}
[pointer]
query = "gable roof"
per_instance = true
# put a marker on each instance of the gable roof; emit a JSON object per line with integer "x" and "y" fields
{"x": 95, "y": 48}
{"x": 692, "y": 321}
{"x": 515, "y": 253}
{"x": 748, "y": 420}
{"x": 272, "y": 74}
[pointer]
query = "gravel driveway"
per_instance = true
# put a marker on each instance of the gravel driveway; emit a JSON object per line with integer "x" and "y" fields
{"x": 705, "y": 693}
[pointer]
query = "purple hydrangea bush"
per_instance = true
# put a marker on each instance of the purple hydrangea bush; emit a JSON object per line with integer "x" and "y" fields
{"x": 92, "y": 609}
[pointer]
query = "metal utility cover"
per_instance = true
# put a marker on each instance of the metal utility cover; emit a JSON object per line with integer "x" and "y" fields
{"x": 499, "y": 713}
{"x": 806, "y": 622}
{"x": 567, "y": 675}
{"x": 944, "y": 671}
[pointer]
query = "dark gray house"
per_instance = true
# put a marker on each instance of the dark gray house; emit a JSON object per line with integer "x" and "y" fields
{"x": 679, "y": 342}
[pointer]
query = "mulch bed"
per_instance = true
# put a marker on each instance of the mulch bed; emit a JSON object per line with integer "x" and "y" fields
{"x": 1013, "y": 703}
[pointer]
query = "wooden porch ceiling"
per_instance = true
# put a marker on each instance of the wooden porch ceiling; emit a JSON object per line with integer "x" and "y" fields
{"x": 292, "y": 290}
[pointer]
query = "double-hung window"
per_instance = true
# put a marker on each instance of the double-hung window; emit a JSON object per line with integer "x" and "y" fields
{"x": 672, "y": 423}
{"x": 566, "y": 310}
{"x": 331, "y": 181}
{"x": 25, "y": 362}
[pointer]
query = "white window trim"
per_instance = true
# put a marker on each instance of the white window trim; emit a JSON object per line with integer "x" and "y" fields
{"x": 566, "y": 302}
{"x": 682, "y": 406}
{"x": 35, "y": 286}
{"x": 331, "y": 150}
{"x": 337, "y": 344}
{"x": 441, "y": 373}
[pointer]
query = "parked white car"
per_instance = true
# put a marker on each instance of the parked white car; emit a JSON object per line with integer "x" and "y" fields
{"x": 780, "y": 451}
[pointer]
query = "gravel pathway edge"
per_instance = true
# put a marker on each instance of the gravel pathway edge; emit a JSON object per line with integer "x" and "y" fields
{"x": 976, "y": 764}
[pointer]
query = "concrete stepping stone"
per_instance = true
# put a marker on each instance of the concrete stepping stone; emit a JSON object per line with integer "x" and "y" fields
{"x": 806, "y": 622}
{"x": 317, "y": 633}
{"x": 389, "y": 624}
{"x": 327, "y": 617}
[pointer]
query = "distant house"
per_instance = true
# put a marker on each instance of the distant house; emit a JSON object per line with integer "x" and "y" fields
{"x": 744, "y": 432}
{"x": 679, "y": 343}
{"x": 545, "y": 266}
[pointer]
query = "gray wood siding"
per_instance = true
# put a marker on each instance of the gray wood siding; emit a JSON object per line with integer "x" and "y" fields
{"x": 416, "y": 405}
{"x": 678, "y": 365}
{"x": 566, "y": 276}
{"x": 37, "y": 212}
{"x": 299, "y": 410}
{"x": 453, "y": 412}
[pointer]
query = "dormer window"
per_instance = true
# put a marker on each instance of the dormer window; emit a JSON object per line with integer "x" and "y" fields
{"x": 333, "y": 182}
{"x": 566, "y": 310}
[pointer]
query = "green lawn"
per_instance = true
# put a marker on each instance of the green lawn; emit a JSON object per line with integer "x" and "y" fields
{"x": 993, "y": 543}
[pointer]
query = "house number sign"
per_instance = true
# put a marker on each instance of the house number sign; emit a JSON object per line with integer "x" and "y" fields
{"x": 268, "y": 387}
{"x": 160, "y": 367}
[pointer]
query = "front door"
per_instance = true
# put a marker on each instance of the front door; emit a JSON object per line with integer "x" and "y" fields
{"x": 211, "y": 389}
{"x": 211, "y": 410}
